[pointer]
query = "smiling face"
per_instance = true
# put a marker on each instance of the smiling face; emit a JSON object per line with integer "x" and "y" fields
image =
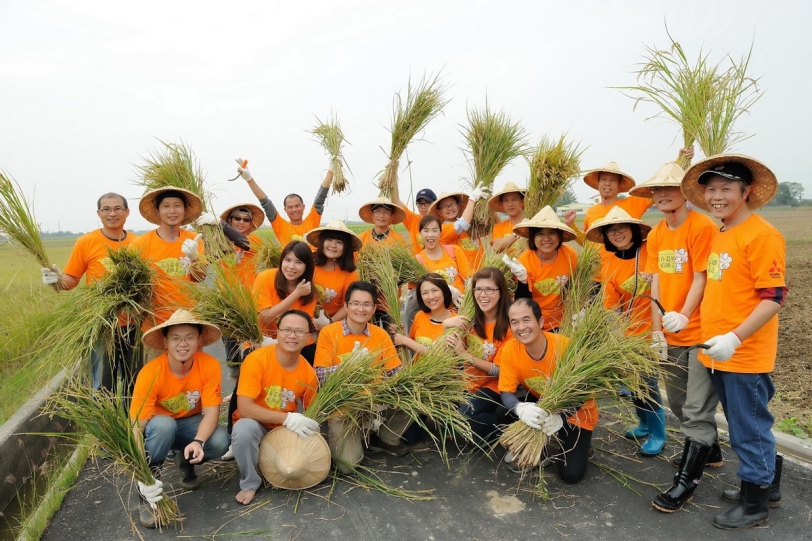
{"x": 547, "y": 240}
{"x": 240, "y": 221}
{"x": 431, "y": 235}
{"x": 620, "y": 235}
{"x": 292, "y": 267}
{"x": 294, "y": 208}
{"x": 486, "y": 294}
{"x": 448, "y": 209}
{"x": 608, "y": 184}
{"x": 112, "y": 212}
{"x": 293, "y": 333}
{"x": 182, "y": 342}
{"x": 360, "y": 307}
{"x": 667, "y": 198}
{"x": 725, "y": 197}
{"x": 423, "y": 206}
{"x": 381, "y": 217}
{"x": 172, "y": 211}
{"x": 432, "y": 296}
{"x": 524, "y": 325}
{"x": 512, "y": 204}
{"x": 333, "y": 248}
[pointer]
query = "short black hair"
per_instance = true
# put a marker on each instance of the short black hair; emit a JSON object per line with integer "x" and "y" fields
{"x": 439, "y": 281}
{"x": 637, "y": 238}
{"x": 361, "y": 285}
{"x": 285, "y": 200}
{"x": 198, "y": 326}
{"x": 299, "y": 313}
{"x": 170, "y": 193}
{"x": 110, "y": 195}
{"x": 533, "y": 305}
{"x": 427, "y": 219}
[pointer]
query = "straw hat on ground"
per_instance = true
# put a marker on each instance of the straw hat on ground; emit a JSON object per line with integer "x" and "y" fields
{"x": 669, "y": 174}
{"x": 763, "y": 183}
{"x": 336, "y": 225}
{"x": 154, "y": 338}
{"x": 398, "y": 214}
{"x": 148, "y": 209}
{"x": 461, "y": 198}
{"x": 495, "y": 202}
{"x": 546, "y": 217}
{"x": 257, "y": 215}
{"x": 616, "y": 216}
{"x": 626, "y": 181}
{"x": 287, "y": 460}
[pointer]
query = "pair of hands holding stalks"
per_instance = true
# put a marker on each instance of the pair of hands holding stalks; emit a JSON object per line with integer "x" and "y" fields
{"x": 539, "y": 419}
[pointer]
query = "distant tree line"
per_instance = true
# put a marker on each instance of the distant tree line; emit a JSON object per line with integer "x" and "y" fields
{"x": 792, "y": 194}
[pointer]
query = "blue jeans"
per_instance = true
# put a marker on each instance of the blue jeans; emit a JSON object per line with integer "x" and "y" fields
{"x": 163, "y": 433}
{"x": 480, "y": 409}
{"x": 652, "y": 402}
{"x": 744, "y": 399}
{"x": 105, "y": 370}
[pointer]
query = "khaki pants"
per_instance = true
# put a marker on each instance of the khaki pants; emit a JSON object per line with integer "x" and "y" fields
{"x": 346, "y": 443}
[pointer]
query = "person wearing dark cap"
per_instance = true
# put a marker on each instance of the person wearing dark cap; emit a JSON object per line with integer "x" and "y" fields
{"x": 422, "y": 201}
{"x": 382, "y": 213}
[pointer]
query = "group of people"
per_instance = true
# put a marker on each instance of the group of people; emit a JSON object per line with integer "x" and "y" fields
{"x": 686, "y": 282}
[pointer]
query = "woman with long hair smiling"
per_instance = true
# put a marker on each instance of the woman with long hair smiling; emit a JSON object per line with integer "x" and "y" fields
{"x": 436, "y": 306}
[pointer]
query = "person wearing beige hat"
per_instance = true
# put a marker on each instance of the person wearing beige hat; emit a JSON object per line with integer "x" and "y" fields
{"x": 509, "y": 200}
{"x": 336, "y": 247}
{"x": 456, "y": 211}
{"x": 382, "y": 213}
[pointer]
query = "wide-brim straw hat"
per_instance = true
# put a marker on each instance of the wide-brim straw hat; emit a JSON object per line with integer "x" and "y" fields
{"x": 546, "y": 217}
{"x": 194, "y": 206}
{"x": 495, "y": 202}
{"x": 461, "y": 198}
{"x": 366, "y": 210}
{"x": 314, "y": 235}
{"x": 763, "y": 188}
{"x": 257, "y": 214}
{"x": 154, "y": 338}
{"x": 626, "y": 181}
{"x": 287, "y": 460}
{"x": 669, "y": 174}
{"x": 615, "y": 216}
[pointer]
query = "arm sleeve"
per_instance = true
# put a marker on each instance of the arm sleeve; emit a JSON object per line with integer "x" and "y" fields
{"x": 270, "y": 210}
{"x": 212, "y": 392}
{"x": 239, "y": 240}
{"x": 323, "y": 371}
{"x": 509, "y": 400}
{"x": 461, "y": 226}
{"x": 775, "y": 294}
{"x": 522, "y": 291}
{"x": 321, "y": 198}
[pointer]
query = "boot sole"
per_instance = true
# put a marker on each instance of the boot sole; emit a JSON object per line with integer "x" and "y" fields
{"x": 665, "y": 510}
{"x": 707, "y": 465}
{"x": 761, "y": 522}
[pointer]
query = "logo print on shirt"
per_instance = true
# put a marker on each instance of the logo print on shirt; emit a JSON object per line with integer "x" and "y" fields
{"x": 775, "y": 271}
{"x": 329, "y": 295}
{"x": 176, "y": 404}
{"x": 680, "y": 259}
{"x": 277, "y": 398}
{"x": 192, "y": 397}
{"x": 717, "y": 264}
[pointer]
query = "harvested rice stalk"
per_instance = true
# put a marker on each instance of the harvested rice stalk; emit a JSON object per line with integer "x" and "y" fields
{"x": 268, "y": 253}
{"x": 553, "y": 165}
{"x": 581, "y": 285}
{"x": 330, "y": 136}
{"x": 407, "y": 267}
{"x": 348, "y": 390}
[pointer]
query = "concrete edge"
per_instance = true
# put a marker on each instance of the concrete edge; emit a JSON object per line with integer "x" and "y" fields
{"x": 31, "y": 407}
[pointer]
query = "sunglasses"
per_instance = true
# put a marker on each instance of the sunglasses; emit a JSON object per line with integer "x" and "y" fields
{"x": 241, "y": 219}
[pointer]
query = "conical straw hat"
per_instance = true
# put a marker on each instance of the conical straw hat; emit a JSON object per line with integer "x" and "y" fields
{"x": 615, "y": 216}
{"x": 336, "y": 225}
{"x": 194, "y": 206}
{"x": 461, "y": 198}
{"x": 154, "y": 338}
{"x": 495, "y": 202}
{"x": 626, "y": 181}
{"x": 287, "y": 460}
{"x": 398, "y": 214}
{"x": 764, "y": 185}
{"x": 669, "y": 174}
{"x": 546, "y": 217}
{"x": 257, "y": 215}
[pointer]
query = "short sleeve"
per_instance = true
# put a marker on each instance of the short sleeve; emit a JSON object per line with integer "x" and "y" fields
{"x": 212, "y": 392}
{"x": 250, "y": 384}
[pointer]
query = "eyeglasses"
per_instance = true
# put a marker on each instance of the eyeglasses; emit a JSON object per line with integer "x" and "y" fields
{"x": 617, "y": 230}
{"x": 381, "y": 210}
{"x": 108, "y": 210}
{"x": 241, "y": 219}
{"x": 356, "y": 304}
{"x": 423, "y": 203}
{"x": 181, "y": 339}
{"x": 287, "y": 331}
{"x": 447, "y": 206}
{"x": 486, "y": 290}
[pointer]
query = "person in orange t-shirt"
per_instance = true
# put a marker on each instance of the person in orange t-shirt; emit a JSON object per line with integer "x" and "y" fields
{"x": 456, "y": 211}
{"x": 411, "y": 221}
{"x": 336, "y": 248}
{"x": 509, "y": 200}
{"x": 532, "y": 353}
{"x": 448, "y": 260}
{"x": 273, "y": 379}
{"x": 436, "y": 306}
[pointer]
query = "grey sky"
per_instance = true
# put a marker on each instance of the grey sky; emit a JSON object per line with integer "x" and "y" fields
{"x": 89, "y": 86}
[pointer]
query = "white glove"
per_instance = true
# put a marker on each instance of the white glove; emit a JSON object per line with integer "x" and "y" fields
{"x": 357, "y": 348}
{"x": 373, "y": 425}
{"x": 475, "y": 195}
{"x": 531, "y": 415}
{"x": 722, "y": 346}
{"x": 578, "y": 318}
{"x": 50, "y": 276}
{"x": 268, "y": 341}
{"x": 331, "y": 163}
{"x": 552, "y": 424}
{"x": 516, "y": 267}
{"x": 303, "y": 426}
{"x": 659, "y": 345}
{"x": 322, "y": 320}
{"x": 456, "y": 296}
{"x": 151, "y": 493}
{"x": 243, "y": 171}
{"x": 674, "y": 321}
{"x": 207, "y": 218}
{"x": 189, "y": 247}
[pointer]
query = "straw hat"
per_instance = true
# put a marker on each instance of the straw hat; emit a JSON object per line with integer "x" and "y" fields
{"x": 546, "y": 217}
{"x": 763, "y": 186}
{"x": 495, "y": 203}
{"x": 287, "y": 460}
{"x": 669, "y": 174}
{"x": 257, "y": 215}
{"x": 194, "y": 206}
{"x": 616, "y": 216}
{"x": 336, "y": 225}
{"x": 461, "y": 197}
{"x": 626, "y": 181}
{"x": 154, "y": 338}
{"x": 366, "y": 211}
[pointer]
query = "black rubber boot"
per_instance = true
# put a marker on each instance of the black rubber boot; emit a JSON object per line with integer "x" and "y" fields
{"x": 751, "y": 510}
{"x": 188, "y": 478}
{"x": 694, "y": 456}
{"x": 715, "y": 459}
{"x": 732, "y": 494}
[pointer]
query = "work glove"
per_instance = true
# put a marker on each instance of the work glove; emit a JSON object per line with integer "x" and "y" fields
{"x": 151, "y": 493}
{"x": 456, "y": 296}
{"x": 722, "y": 346}
{"x": 303, "y": 426}
{"x": 189, "y": 247}
{"x": 674, "y": 321}
{"x": 373, "y": 425}
{"x": 331, "y": 163}
{"x": 243, "y": 171}
{"x": 475, "y": 194}
{"x": 516, "y": 267}
{"x": 357, "y": 348}
{"x": 51, "y": 276}
{"x": 659, "y": 345}
{"x": 552, "y": 424}
{"x": 322, "y": 320}
{"x": 531, "y": 415}
{"x": 268, "y": 341}
{"x": 578, "y": 318}
{"x": 207, "y": 218}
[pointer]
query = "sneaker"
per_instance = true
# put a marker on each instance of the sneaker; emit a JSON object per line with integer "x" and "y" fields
{"x": 188, "y": 478}
{"x": 170, "y": 457}
{"x": 229, "y": 456}
{"x": 378, "y": 445}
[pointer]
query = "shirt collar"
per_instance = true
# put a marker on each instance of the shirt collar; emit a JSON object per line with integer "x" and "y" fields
{"x": 346, "y": 328}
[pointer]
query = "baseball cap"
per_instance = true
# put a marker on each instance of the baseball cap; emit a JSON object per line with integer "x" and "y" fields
{"x": 729, "y": 170}
{"x": 426, "y": 194}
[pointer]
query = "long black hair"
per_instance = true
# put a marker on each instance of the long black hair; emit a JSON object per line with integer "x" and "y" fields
{"x": 637, "y": 237}
{"x": 302, "y": 252}
{"x": 442, "y": 285}
{"x": 502, "y": 319}
{"x": 347, "y": 260}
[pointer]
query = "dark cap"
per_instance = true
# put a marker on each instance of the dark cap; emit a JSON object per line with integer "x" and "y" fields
{"x": 426, "y": 194}
{"x": 729, "y": 170}
{"x": 390, "y": 208}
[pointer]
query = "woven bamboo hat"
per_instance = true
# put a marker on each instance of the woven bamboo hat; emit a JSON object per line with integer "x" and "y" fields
{"x": 546, "y": 217}
{"x": 336, "y": 225}
{"x": 763, "y": 183}
{"x": 669, "y": 174}
{"x": 462, "y": 200}
{"x": 398, "y": 214}
{"x": 287, "y": 460}
{"x": 148, "y": 209}
{"x": 495, "y": 202}
{"x": 626, "y": 181}
{"x": 154, "y": 338}
{"x": 257, "y": 215}
{"x": 615, "y": 216}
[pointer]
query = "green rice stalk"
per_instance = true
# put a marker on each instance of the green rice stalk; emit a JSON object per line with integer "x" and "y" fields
{"x": 268, "y": 254}
{"x": 424, "y": 102}
{"x": 553, "y": 166}
{"x": 348, "y": 390}
{"x": 369, "y": 479}
{"x": 330, "y": 136}
{"x": 407, "y": 268}
{"x": 581, "y": 286}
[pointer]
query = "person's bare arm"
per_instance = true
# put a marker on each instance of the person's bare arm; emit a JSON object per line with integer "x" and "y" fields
{"x": 695, "y": 294}
{"x": 194, "y": 451}
{"x": 268, "y": 315}
{"x": 500, "y": 245}
{"x": 656, "y": 315}
{"x": 761, "y": 314}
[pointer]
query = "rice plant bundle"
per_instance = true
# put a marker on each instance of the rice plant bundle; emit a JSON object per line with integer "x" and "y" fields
{"x": 581, "y": 285}
{"x": 492, "y": 140}
{"x": 18, "y": 223}
{"x": 330, "y": 136}
{"x": 268, "y": 254}
{"x": 407, "y": 268}
{"x": 410, "y": 116}
{"x": 553, "y": 165}
{"x": 347, "y": 391}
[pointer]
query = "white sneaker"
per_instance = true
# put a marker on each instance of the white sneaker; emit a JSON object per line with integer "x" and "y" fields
{"x": 228, "y": 456}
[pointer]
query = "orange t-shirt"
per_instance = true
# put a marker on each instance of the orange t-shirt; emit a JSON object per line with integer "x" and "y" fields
{"x": 517, "y": 367}
{"x": 455, "y": 270}
{"x": 618, "y": 278}
{"x": 472, "y": 248}
{"x": 160, "y": 392}
{"x": 89, "y": 255}
{"x": 171, "y": 265}
{"x": 412, "y": 225}
{"x": 391, "y": 238}
{"x": 675, "y": 255}
{"x": 488, "y": 349}
{"x": 333, "y": 347}
{"x": 424, "y": 331}
{"x": 747, "y": 257}
{"x": 502, "y": 229}
{"x": 273, "y": 387}
{"x": 547, "y": 280}
{"x": 332, "y": 286}
{"x": 267, "y": 297}
{"x": 286, "y": 231}
{"x": 634, "y": 206}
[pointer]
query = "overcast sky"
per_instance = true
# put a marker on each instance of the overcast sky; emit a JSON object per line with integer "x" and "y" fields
{"x": 89, "y": 87}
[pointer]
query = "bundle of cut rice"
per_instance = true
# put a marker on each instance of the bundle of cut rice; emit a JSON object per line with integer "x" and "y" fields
{"x": 553, "y": 165}
{"x": 330, "y": 136}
